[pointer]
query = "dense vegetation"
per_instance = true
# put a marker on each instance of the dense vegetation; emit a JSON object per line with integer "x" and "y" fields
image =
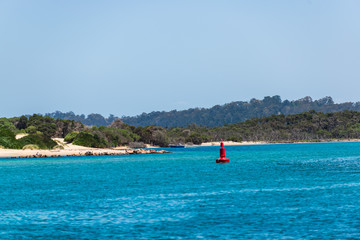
{"x": 238, "y": 112}
{"x": 218, "y": 115}
{"x": 117, "y": 134}
{"x": 39, "y": 131}
{"x": 101, "y": 137}
{"x": 308, "y": 126}
{"x": 91, "y": 120}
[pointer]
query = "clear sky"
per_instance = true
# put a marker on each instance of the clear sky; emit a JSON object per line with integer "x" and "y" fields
{"x": 129, "y": 57}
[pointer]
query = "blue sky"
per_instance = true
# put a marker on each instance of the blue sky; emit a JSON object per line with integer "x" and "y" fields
{"x": 129, "y": 57}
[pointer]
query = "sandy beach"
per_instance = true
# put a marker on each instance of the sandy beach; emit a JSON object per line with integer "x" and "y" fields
{"x": 15, "y": 153}
{"x": 72, "y": 150}
{"x": 230, "y": 143}
{"x": 75, "y": 150}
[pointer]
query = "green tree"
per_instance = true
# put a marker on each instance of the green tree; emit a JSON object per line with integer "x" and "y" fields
{"x": 22, "y": 124}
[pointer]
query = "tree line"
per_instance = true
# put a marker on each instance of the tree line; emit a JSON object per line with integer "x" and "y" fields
{"x": 238, "y": 111}
{"x": 218, "y": 115}
{"x": 93, "y": 119}
{"x": 308, "y": 126}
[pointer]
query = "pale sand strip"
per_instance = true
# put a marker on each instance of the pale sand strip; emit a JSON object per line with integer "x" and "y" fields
{"x": 230, "y": 143}
{"x": 14, "y": 153}
{"x": 21, "y": 135}
{"x": 127, "y": 147}
{"x": 71, "y": 150}
{"x": 61, "y": 142}
{"x": 62, "y": 152}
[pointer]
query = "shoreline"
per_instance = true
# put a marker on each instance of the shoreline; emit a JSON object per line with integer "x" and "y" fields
{"x": 231, "y": 143}
{"x": 74, "y": 150}
{"x": 15, "y": 153}
{"x": 70, "y": 150}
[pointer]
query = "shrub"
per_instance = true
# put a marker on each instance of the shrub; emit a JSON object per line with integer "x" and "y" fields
{"x": 70, "y": 137}
{"x": 58, "y": 147}
{"x": 31, "y": 147}
{"x": 31, "y": 130}
{"x": 116, "y": 137}
{"x": 137, "y": 145}
{"x": 46, "y": 125}
{"x": 38, "y": 139}
{"x": 90, "y": 140}
{"x": 6, "y": 123}
{"x": 153, "y": 135}
{"x": 7, "y": 138}
{"x": 235, "y": 139}
{"x": 196, "y": 138}
{"x": 22, "y": 123}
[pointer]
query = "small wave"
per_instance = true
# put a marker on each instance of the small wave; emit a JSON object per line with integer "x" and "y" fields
{"x": 331, "y": 159}
{"x": 343, "y": 185}
{"x": 246, "y": 190}
{"x": 119, "y": 216}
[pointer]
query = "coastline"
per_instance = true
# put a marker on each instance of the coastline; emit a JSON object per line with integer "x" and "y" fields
{"x": 72, "y": 150}
{"x": 16, "y": 153}
{"x": 231, "y": 143}
{"x": 75, "y": 150}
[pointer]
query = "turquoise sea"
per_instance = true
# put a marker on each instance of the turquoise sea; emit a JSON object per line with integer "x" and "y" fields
{"x": 283, "y": 191}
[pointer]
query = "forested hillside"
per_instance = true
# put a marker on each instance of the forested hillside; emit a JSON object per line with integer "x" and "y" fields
{"x": 308, "y": 126}
{"x": 238, "y": 112}
{"x": 218, "y": 115}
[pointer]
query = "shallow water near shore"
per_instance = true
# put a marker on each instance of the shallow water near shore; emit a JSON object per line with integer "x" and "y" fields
{"x": 266, "y": 191}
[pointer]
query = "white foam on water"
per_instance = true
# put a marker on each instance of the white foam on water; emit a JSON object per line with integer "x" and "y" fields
{"x": 246, "y": 190}
{"x": 119, "y": 216}
{"x": 332, "y": 159}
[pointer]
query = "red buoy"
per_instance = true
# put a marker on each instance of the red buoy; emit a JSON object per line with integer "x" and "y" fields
{"x": 222, "y": 158}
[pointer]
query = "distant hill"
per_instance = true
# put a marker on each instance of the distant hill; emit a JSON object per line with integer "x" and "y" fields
{"x": 218, "y": 115}
{"x": 239, "y": 111}
{"x": 308, "y": 126}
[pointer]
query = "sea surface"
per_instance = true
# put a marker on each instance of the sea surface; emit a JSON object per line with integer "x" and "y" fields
{"x": 282, "y": 191}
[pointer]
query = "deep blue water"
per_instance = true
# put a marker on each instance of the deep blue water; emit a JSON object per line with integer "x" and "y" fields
{"x": 284, "y": 191}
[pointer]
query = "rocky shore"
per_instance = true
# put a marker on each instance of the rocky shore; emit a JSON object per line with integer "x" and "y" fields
{"x": 11, "y": 153}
